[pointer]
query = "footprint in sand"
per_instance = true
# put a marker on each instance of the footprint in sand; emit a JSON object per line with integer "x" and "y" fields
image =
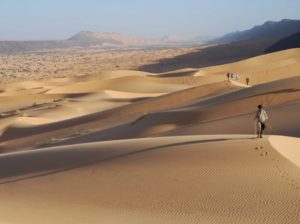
{"x": 264, "y": 154}
{"x": 259, "y": 147}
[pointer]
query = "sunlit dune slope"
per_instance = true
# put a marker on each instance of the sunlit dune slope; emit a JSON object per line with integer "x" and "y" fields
{"x": 261, "y": 69}
{"x": 199, "y": 179}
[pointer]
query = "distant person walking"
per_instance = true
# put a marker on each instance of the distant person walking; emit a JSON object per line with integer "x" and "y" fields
{"x": 261, "y": 117}
{"x": 228, "y": 76}
{"x": 247, "y": 81}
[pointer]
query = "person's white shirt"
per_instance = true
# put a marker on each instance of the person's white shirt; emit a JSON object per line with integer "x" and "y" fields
{"x": 261, "y": 115}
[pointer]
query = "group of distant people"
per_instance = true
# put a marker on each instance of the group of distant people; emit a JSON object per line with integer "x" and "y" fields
{"x": 234, "y": 77}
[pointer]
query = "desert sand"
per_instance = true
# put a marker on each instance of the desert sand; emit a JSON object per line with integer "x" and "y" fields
{"x": 43, "y": 65}
{"x": 126, "y": 146}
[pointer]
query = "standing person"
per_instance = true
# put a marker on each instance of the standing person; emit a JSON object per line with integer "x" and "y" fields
{"x": 261, "y": 117}
{"x": 247, "y": 81}
{"x": 228, "y": 76}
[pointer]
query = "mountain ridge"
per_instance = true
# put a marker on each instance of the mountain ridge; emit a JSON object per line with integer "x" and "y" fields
{"x": 289, "y": 42}
{"x": 269, "y": 29}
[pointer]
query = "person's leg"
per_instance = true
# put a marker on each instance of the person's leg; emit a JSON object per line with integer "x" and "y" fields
{"x": 262, "y": 129}
{"x": 258, "y": 129}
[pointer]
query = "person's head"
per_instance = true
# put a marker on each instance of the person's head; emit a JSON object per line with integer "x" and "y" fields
{"x": 259, "y": 106}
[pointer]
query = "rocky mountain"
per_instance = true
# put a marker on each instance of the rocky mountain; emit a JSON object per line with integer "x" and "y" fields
{"x": 270, "y": 29}
{"x": 292, "y": 41}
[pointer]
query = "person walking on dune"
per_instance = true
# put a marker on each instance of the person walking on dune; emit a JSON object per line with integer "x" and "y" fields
{"x": 261, "y": 117}
{"x": 247, "y": 81}
{"x": 228, "y": 76}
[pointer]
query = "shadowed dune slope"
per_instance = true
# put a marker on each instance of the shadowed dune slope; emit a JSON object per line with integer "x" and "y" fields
{"x": 212, "y": 55}
{"x": 27, "y": 136}
{"x": 229, "y": 113}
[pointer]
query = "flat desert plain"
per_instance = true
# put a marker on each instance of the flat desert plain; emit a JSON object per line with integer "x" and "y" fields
{"x": 127, "y": 146}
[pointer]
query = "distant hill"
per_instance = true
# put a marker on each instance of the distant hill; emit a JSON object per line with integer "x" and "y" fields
{"x": 281, "y": 29}
{"x": 110, "y": 38}
{"x": 183, "y": 39}
{"x": 175, "y": 39}
{"x": 292, "y": 41}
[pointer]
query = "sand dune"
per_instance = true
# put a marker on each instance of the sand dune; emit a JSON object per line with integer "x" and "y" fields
{"x": 78, "y": 62}
{"x": 266, "y": 68}
{"x": 202, "y": 179}
{"x": 15, "y": 136}
{"x": 134, "y": 84}
{"x": 134, "y": 147}
{"x": 230, "y": 112}
{"x": 156, "y": 116}
{"x": 288, "y": 147}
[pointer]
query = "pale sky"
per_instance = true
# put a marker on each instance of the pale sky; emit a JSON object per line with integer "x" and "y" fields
{"x": 61, "y": 19}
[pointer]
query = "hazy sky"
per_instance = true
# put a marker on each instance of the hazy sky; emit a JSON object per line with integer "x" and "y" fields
{"x": 60, "y": 19}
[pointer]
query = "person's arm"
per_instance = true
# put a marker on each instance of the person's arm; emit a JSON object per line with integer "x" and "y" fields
{"x": 266, "y": 115}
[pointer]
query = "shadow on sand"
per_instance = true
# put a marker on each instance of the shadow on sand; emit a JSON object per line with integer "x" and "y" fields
{"x": 23, "y": 166}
